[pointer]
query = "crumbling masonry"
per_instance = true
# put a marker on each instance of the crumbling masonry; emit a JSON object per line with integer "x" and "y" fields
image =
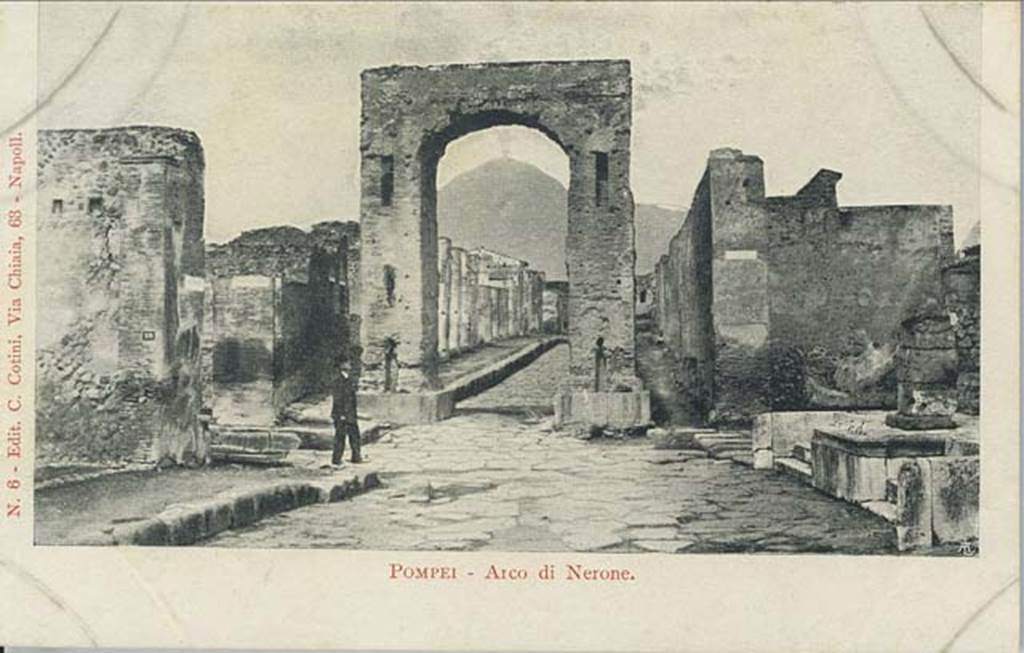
{"x": 121, "y": 219}
{"x": 278, "y": 321}
{"x": 791, "y": 303}
{"x": 409, "y": 115}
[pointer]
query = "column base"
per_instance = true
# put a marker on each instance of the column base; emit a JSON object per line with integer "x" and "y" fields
{"x": 407, "y": 407}
{"x": 612, "y": 409}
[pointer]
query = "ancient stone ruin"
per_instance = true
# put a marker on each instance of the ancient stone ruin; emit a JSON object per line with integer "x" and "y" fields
{"x": 793, "y": 302}
{"x": 278, "y": 317}
{"x": 121, "y": 218}
{"x": 409, "y": 115}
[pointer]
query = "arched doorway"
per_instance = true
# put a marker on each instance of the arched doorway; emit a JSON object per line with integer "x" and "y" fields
{"x": 409, "y": 116}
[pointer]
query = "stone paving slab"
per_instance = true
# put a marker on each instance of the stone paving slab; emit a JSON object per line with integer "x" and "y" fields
{"x": 496, "y": 477}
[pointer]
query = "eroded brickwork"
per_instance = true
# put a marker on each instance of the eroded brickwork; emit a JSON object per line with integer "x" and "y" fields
{"x": 121, "y": 213}
{"x": 962, "y": 281}
{"x": 409, "y": 115}
{"x": 776, "y": 303}
{"x": 279, "y": 319}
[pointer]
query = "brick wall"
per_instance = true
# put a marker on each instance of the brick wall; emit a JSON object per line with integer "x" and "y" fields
{"x": 118, "y": 354}
{"x": 279, "y": 317}
{"x": 409, "y": 115}
{"x": 787, "y": 303}
{"x": 962, "y": 281}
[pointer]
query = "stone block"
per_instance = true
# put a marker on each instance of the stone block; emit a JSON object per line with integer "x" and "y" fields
{"x": 408, "y": 407}
{"x": 245, "y": 509}
{"x": 919, "y": 422}
{"x": 151, "y": 532}
{"x": 306, "y": 494}
{"x": 955, "y": 486}
{"x": 186, "y": 524}
{"x": 913, "y": 506}
{"x": 277, "y": 498}
{"x": 960, "y": 446}
{"x": 764, "y": 459}
{"x": 856, "y": 466}
{"x": 218, "y": 515}
{"x": 927, "y": 365}
{"x": 612, "y": 409}
{"x": 846, "y": 474}
{"x": 880, "y": 442}
{"x": 259, "y": 439}
{"x": 921, "y": 399}
{"x": 781, "y": 431}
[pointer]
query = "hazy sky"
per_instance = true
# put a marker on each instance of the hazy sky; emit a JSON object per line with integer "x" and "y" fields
{"x": 273, "y": 91}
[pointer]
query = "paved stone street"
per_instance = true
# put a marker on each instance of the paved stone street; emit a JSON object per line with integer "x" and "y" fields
{"x": 499, "y": 478}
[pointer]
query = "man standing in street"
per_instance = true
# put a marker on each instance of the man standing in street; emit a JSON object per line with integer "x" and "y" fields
{"x": 343, "y": 409}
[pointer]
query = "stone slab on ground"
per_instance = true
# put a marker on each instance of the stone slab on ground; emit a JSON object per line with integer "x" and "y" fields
{"x": 78, "y": 512}
{"x": 185, "y": 524}
{"x": 321, "y": 437}
{"x": 675, "y": 437}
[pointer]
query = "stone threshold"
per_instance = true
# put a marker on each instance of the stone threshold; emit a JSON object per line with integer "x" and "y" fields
{"x": 188, "y": 523}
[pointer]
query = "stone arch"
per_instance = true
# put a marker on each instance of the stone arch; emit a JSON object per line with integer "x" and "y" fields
{"x": 409, "y": 116}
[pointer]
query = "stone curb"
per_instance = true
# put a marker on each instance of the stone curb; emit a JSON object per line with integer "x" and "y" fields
{"x": 491, "y": 375}
{"x": 88, "y": 476}
{"x": 185, "y": 524}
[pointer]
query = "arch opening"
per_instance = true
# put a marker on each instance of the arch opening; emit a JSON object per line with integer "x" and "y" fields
{"x": 498, "y": 200}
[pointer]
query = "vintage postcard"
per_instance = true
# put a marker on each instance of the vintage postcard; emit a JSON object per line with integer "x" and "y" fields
{"x": 510, "y": 326}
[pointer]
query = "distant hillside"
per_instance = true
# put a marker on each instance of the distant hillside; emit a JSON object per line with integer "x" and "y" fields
{"x": 655, "y": 225}
{"x": 516, "y": 209}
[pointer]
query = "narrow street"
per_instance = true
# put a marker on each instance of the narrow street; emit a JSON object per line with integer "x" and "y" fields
{"x": 496, "y": 476}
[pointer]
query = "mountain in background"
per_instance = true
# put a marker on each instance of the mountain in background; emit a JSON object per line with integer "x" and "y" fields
{"x": 516, "y": 209}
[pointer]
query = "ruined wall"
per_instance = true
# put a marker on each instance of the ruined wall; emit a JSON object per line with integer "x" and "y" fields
{"x": 790, "y": 303}
{"x": 645, "y": 294}
{"x": 684, "y": 313}
{"x": 962, "y": 282}
{"x": 409, "y": 115}
{"x": 555, "y": 307}
{"x": 279, "y": 317}
{"x": 477, "y": 292}
{"x": 118, "y": 355}
{"x": 841, "y": 283}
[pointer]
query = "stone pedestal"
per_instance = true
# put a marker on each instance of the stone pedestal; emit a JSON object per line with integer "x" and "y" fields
{"x": 612, "y": 409}
{"x": 926, "y": 372}
{"x": 856, "y": 465}
{"x": 407, "y": 407}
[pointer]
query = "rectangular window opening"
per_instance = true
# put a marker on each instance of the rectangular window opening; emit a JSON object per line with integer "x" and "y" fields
{"x": 57, "y": 208}
{"x": 601, "y": 178}
{"x": 387, "y": 180}
{"x": 95, "y": 205}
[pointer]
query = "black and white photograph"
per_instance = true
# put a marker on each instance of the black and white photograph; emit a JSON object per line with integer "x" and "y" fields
{"x": 538, "y": 292}
{"x": 494, "y": 332}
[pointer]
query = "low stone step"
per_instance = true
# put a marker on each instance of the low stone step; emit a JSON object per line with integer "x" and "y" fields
{"x": 721, "y": 450}
{"x": 254, "y": 439}
{"x": 742, "y": 457}
{"x": 802, "y": 452}
{"x": 226, "y": 453}
{"x": 795, "y": 468}
{"x": 674, "y": 437}
{"x": 883, "y": 509}
{"x": 708, "y": 442}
